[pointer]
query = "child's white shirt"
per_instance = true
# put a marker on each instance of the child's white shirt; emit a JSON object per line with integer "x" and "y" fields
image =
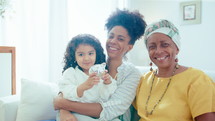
{"x": 72, "y": 78}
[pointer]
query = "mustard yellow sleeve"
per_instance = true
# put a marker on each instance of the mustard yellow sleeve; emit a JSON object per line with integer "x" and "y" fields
{"x": 202, "y": 96}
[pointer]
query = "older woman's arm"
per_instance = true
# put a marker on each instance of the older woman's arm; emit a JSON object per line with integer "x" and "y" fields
{"x": 206, "y": 117}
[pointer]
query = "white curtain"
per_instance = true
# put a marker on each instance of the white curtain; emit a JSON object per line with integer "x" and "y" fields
{"x": 27, "y": 28}
{"x": 41, "y": 29}
{"x": 58, "y": 37}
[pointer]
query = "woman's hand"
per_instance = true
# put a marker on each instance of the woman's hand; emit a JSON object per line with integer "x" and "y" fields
{"x": 56, "y": 101}
{"x": 67, "y": 116}
{"x": 106, "y": 78}
{"x": 89, "y": 83}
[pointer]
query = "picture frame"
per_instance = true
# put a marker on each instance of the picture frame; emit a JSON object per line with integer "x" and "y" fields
{"x": 190, "y": 12}
{"x": 7, "y": 71}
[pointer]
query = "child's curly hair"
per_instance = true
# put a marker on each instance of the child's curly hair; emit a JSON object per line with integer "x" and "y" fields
{"x": 86, "y": 39}
{"x": 132, "y": 21}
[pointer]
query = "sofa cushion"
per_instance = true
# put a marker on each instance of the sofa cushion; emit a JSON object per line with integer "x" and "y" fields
{"x": 8, "y": 107}
{"x": 36, "y": 102}
{"x": 210, "y": 74}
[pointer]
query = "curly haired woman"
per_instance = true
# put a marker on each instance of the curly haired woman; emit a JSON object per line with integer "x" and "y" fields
{"x": 124, "y": 28}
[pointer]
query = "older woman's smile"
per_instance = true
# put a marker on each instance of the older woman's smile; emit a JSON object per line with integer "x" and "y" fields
{"x": 161, "y": 58}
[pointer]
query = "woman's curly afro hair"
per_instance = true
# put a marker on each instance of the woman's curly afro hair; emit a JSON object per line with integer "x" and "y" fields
{"x": 132, "y": 21}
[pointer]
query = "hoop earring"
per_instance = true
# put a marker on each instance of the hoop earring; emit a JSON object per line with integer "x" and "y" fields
{"x": 176, "y": 59}
{"x": 177, "y": 66}
{"x": 151, "y": 69}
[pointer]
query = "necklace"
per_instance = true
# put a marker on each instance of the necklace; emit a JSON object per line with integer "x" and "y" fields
{"x": 147, "y": 101}
{"x": 115, "y": 76}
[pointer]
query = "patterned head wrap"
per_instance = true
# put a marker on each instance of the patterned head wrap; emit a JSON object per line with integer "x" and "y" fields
{"x": 164, "y": 27}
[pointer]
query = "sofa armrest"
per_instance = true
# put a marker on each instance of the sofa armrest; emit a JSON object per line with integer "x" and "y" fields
{"x": 8, "y": 107}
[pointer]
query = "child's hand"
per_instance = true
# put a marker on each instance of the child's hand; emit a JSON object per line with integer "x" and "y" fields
{"x": 106, "y": 78}
{"x": 89, "y": 83}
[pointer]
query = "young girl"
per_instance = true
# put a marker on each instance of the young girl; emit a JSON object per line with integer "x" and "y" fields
{"x": 77, "y": 84}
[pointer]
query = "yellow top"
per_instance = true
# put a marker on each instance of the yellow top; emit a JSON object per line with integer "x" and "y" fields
{"x": 190, "y": 94}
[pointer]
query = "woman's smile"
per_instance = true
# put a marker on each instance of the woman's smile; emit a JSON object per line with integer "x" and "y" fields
{"x": 161, "y": 58}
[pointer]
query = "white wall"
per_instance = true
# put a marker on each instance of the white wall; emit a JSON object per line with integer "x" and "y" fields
{"x": 197, "y": 43}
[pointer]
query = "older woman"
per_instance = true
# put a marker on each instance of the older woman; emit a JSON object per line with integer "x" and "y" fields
{"x": 172, "y": 92}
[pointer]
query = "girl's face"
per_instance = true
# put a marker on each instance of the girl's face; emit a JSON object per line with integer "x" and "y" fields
{"x": 162, "y": 50}
{"x": 85, "y": 56}
{"x": 117, "y": 44}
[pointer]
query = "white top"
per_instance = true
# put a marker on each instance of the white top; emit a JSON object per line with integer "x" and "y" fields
{"x": 119, "y": 102}
{"x": 72, "y": 78}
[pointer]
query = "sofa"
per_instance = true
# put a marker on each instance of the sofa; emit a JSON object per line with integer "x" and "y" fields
{"x": 35, "y": 101}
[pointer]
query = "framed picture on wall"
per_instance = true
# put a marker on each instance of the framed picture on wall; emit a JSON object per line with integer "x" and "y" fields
{"x": 190, "y": 12}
